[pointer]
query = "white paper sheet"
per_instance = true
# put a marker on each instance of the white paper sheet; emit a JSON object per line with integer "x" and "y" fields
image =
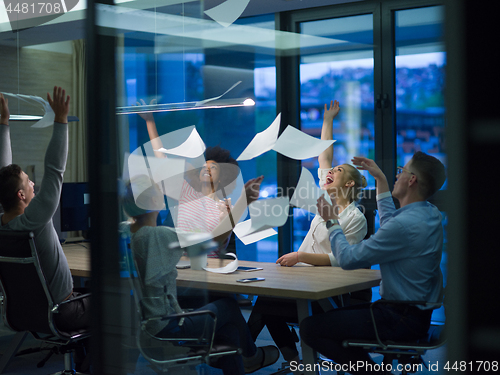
{"x": 226, "y": 13}
{"x": 265, "y": 214}
{"x": 229, "y": 268}
{"x": 167, "y": 172}
{"x": 298, "y": 145}
{"x": 262, "y": 142}
{"x": 254, "y": 237}
{"x": 191, "y": 148}
{"x": 307, "y": 193}
{"x": 292, "y": 143}
{"x": 41, "y": 104}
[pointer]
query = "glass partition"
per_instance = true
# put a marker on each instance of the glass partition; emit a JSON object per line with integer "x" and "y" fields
{"x": 177, "y": 68}
{"x": 191, "y": 69}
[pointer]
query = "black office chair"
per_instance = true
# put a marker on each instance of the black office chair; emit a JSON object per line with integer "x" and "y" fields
{"x": 27, "y": 303}
{"x": 173, "y": 354}
{"x": 408, "y": 353}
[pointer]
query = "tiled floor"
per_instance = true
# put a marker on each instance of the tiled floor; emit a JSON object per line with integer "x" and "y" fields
{"x": 26, "y": 364}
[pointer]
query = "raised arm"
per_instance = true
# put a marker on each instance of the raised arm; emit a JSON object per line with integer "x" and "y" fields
{"x": 44, "y": 204}
{"x": 152, "y": 131}
{"x": 5, "y": 147}
{"x": 326, "y": 157}
{"x": 369, "y": 165}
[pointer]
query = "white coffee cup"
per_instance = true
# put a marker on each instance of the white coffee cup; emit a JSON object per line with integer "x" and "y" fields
{"x": 198, "y": 262}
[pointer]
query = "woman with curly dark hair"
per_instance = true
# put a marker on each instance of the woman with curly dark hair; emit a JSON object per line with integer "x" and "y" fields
{"x": 202, "y": 202}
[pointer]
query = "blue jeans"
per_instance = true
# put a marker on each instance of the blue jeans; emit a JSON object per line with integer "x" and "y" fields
{"x": 325, "y": 332}
{"x": 231, "y": 329}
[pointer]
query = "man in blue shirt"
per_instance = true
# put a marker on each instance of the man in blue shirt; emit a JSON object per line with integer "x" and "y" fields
{"x": 408, "y": 248}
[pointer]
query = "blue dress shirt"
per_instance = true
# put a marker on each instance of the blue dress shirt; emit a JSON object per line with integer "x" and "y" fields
{"x": 407, "y": 246}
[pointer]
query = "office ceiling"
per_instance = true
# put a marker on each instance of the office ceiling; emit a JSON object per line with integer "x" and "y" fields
{"x": 73, "y": 27}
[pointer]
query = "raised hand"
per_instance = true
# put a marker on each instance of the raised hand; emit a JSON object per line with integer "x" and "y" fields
{"x": 369, "y": 165}
{"x": 60, "y": 104}
{"x": 147, "y": 116}
{"x": 332, "y": 112}
{"x": 4, "y": 110}
{"x": 252, "y": 189}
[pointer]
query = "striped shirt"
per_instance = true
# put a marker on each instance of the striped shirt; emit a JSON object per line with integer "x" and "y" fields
{"x": 197, "y": 212}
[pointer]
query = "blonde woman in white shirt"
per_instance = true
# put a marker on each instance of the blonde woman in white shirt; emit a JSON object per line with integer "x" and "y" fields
{"x": 344, "y": 182}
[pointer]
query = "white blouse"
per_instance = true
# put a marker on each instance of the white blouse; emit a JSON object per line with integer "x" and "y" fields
{"x": 351, "y": 220}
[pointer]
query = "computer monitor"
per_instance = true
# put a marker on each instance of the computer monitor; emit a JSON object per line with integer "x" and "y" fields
{"x": 74, "y": 206}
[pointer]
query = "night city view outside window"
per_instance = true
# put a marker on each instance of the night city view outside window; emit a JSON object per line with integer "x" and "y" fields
{"x": 343, "y": 71}
{"x": 420, "y": 86}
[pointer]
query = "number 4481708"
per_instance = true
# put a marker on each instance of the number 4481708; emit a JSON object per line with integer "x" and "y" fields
{"x": 34, "y": 8}
{"x": 471, "y": 366}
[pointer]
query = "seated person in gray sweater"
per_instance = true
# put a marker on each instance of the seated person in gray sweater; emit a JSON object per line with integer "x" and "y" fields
{"x": 156, "y": 265}
{"x": 23, "y": 211}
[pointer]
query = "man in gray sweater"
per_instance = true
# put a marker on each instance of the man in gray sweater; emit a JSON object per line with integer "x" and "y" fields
{"x": 23, "y": 211}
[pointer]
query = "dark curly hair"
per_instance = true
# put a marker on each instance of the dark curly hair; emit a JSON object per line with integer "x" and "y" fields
{"x": 10, "y": 183}
{"x": 229, "y": 169}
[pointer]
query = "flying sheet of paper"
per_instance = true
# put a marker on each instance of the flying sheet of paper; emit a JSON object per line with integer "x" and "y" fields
{"x": 262, "y": 142}
{"x": 254, "y": 237}
{"x": 191, "y": 148}
{"x": 41, "y": 104}
{"x": 298, "y": 145}
{"x": 229, "y": 268}
{"x": 306, "y": 193}
{"x": 166, "y": 168}
{"x": 226, "y": 13}
{"x": 265, "y": 214}
{"x": 200, "y": 103}
{"x": 167, "y": 172}
{"x": 292, "y": 143}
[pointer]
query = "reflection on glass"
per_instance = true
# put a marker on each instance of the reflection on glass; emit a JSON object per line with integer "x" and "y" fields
{"x": 340, "y": 70}
{"x": 168, "y": 66}
{"x": 420, "y": 82}
{"x": 420, "y": 78}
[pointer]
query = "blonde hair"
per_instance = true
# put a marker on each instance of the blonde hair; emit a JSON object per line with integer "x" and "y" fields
{"x": 359, "y": 183}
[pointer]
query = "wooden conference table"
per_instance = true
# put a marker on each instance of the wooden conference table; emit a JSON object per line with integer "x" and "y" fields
{"x": 302, "y": 283}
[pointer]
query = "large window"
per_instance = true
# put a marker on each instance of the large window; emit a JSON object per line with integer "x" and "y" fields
{"x": 420, "y": 77}
{"x": 341, "y": 69}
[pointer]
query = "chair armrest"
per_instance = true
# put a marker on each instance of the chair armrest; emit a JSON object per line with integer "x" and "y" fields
{"x": 181, "y": 315}
{"x": 192, "y": 313}
{"x": 205, "y": 337}
{"x": 55, "y": 309}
